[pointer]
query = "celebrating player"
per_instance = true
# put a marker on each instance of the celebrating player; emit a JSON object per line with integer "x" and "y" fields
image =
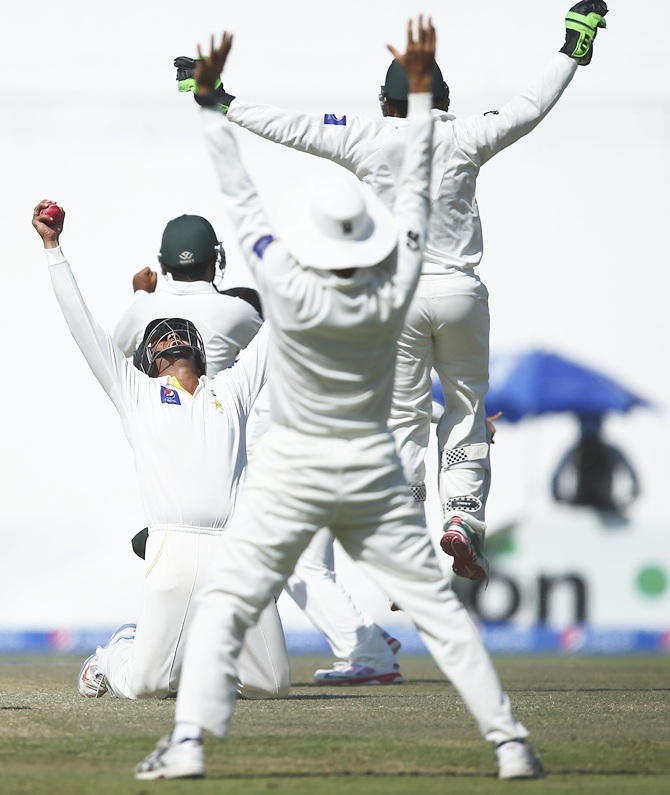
{"x": 191, "y": 256}
{"x": 188, "y": 435}
{"x": 336, "y": 288}
{"x": 447, "y": 325}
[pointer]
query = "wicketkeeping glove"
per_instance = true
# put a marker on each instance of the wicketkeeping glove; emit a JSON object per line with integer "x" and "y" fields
{"x": 581, "y": 26}
{"x": 186, "y": 82}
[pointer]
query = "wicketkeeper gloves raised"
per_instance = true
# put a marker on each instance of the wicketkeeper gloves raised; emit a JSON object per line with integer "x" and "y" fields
{"x": 581, "y": 25}
{"x": 186, "y": 82}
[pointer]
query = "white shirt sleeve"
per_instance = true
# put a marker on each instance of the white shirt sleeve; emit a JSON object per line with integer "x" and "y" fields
{"x": 342, "y": 139}
{"x": 485, "y": 135}
{"x": 109, "y": 365}
{"x": 253, "y": 228}
{"x": 412, "y": 204}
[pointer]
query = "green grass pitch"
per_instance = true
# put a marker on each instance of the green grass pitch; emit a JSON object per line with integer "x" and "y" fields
{"x": 601, "y": 725}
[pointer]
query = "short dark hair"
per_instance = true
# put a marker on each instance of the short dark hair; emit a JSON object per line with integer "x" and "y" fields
{"x": 192, "y": 273}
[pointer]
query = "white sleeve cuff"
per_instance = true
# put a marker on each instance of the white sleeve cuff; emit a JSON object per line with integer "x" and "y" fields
{"x": 54, "y": 255}
{"x": 419, "y": 103}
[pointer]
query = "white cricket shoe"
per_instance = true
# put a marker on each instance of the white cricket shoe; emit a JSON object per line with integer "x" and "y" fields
{"x": 185, "y": 759}
{"x": 92, "y": 682}
{"x": 517, "y": 759}
{"x": 353, "y": 674}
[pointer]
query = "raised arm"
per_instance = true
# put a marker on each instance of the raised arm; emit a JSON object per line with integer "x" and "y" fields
{"x": 105, "y": 359}
{"x": 412, "y": 204}
{"x": 242, "y": 201}
{"x": 485, "y": 135}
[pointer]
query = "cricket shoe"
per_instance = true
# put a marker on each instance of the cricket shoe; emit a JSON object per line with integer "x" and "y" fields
{"x": 354, "y": 674}
{"x": 517, "y": 759}
{"x": 462, "y": 543}
{"x": 393, "y": 643}
{"x": 92, "y": 682}
{"x": 185, "y": 759}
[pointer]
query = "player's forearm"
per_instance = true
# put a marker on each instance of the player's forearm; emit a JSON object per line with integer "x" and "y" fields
{"x": 412, "y": 205}
{"x": 495, "y": 131}
{"x": 242, "y": 201}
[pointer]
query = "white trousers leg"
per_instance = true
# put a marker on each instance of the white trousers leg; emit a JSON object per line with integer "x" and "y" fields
{"x": 351, "y": 634}
{"x": 447, "y": 328}
{"x": 356, "y": 487}
{"x": 178, "y": 564}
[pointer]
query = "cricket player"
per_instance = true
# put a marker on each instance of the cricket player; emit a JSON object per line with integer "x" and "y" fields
{"x": 191, "y": 259}
{"x": 191, "y": 255}
{"x": 188, "y": 435}
{"x": 336, "y": 288}
{"x": 447, "y": 326}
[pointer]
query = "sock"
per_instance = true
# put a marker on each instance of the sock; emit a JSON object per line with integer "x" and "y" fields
{"x": 186, "y": 731}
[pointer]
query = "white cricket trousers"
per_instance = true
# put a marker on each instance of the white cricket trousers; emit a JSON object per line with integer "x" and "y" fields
{"x": 352, "y": 635}
{"x": 356, "y": 488}
{"x": 178, "y": 564}
{"x": 446, "y": 328}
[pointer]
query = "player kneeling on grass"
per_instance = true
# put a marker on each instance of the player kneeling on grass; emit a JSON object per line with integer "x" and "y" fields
{"x": 188, "y": 435}
{"x": 336, "y": 293}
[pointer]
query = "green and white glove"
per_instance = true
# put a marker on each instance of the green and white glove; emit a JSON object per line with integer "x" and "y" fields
{"x": 186, "y": 82}
{"x": 581, "y": 26}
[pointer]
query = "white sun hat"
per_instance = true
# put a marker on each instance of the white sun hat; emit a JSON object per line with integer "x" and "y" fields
{"x": 336, "y": 223}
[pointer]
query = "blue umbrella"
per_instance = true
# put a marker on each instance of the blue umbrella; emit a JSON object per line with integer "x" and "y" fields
{"x": 538, "y": 382}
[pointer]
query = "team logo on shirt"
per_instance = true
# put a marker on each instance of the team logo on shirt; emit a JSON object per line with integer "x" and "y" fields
{"x": 169, "y": 395}
{"x": 331, "y": 118}
{"x": 492, "y": 112}
{"x": 216, "y": 402}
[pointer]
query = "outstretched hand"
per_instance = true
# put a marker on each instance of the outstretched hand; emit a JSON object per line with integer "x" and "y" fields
{"x": 48, "y": 228}
{"x": 419, "y": 58}
{"x": 208, "y": 68}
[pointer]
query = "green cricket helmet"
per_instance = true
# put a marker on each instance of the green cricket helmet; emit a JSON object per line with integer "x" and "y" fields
{"x": 187, "y": 241}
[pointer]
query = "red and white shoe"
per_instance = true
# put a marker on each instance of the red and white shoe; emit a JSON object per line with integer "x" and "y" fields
{"x": 462, "y": 543}
{"x": 353, "y": 674}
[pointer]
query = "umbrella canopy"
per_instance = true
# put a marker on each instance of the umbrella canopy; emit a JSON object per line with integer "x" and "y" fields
{"x": 538, "y": 382}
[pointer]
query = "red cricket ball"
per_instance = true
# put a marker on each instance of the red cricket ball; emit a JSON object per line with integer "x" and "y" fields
{"x": 54, "y": 212}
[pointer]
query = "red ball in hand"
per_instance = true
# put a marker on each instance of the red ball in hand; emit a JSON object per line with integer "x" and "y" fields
{"x": 54, "y": 212}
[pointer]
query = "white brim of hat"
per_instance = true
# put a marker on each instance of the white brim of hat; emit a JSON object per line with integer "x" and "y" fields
{"x": 309, "y": 245}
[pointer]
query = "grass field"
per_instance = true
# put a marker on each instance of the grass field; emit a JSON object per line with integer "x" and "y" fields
{"x": 601, "y": 725}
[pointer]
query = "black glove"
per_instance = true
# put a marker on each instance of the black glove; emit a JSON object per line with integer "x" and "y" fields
{"x": 185, "y": 71}
{"x": 186, "y": 82}
{"x": 581, "y": 26}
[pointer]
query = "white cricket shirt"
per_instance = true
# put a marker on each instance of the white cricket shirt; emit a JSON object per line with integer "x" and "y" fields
{"x": 333, "y": 340}
{"x": 373, "y": 150}
{"x": 190, "y": 450}
{"x": 225, "y": 323}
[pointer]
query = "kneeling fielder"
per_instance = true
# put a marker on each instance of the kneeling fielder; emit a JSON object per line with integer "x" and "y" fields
{"x": 188, "y": 435}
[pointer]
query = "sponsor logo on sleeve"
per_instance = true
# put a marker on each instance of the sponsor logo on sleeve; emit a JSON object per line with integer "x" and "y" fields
{"x": 169, "y": 395}
{"x": 261, "y": 244}
{"x": 331, "y": 118}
